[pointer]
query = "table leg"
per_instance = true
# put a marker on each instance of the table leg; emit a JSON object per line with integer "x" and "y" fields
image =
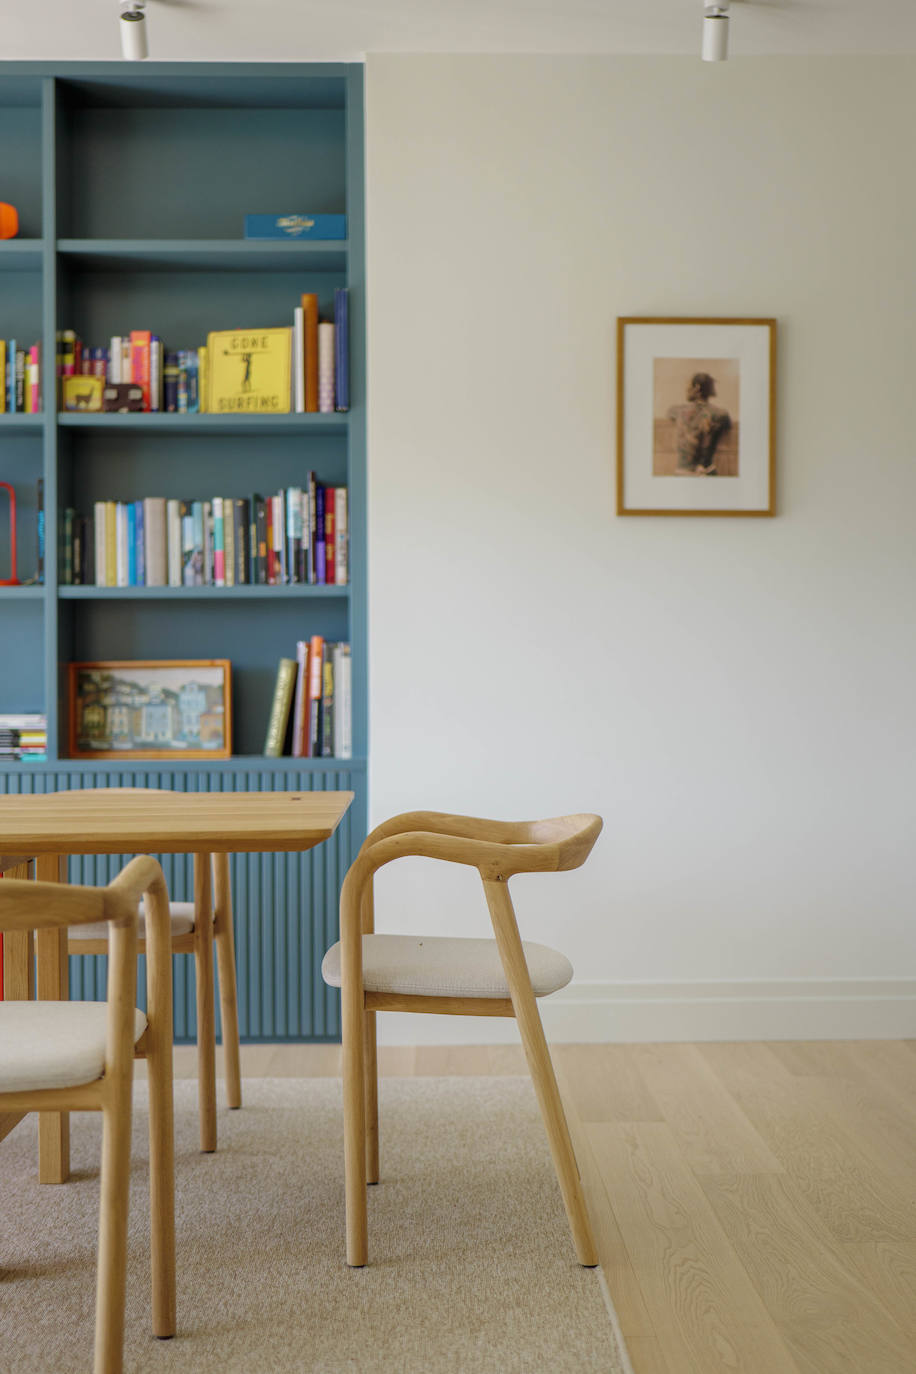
{"x": 206, "y": 1011}
{"x": 224, "y": 938}
{"x": 53, "y": 984}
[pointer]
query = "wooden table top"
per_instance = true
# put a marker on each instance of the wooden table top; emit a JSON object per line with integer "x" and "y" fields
{"x": 91, "y": 822}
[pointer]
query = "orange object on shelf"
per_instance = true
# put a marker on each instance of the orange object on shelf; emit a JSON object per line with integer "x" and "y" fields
{"x": 9, "y": 221}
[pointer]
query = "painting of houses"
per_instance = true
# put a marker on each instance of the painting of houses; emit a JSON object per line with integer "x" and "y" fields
{"x": 150, "y": 710}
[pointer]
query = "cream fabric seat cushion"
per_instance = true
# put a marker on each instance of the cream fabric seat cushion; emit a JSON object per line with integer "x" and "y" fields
{"x": 439, "y": 966}
{"x": 182, "y": 914}
{"x": 54, "y": 1044}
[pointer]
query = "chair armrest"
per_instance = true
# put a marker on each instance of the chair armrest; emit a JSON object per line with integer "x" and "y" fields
{"x": 445, "y": 823}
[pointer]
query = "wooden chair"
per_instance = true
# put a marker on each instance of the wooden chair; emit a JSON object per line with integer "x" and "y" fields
{"x": 79, "y": 1056}
{"x": 461, "y": 977}
{"x": 197, "y": 931}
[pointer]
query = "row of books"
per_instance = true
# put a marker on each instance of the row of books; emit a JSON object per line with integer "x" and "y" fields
{"x": 302, "y": 368}
{"x": 24, "y": 736}
{"x": 311, "y": 715}
{"x": 299, "y": 535}
{"x": 20, "y": 378}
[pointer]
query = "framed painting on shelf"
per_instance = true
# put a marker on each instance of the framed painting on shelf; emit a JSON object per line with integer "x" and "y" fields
{"x": 696, "y": 413}
{"x": 150, "y": 709}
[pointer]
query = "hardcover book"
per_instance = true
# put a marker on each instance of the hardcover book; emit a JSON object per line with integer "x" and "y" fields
{"x": 279, "y": 711}
{"x": 249, "y": 371}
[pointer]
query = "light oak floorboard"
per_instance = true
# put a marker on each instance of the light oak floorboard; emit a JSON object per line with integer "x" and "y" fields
{"x": 829, "y": 1319}
{"x": 858, "y": 1200}
{"x": 714, "y": 1135}
{"x": 606, "y": 1082}
{"x": 707, "y": 1313}
{"x": 889, "y": 1272}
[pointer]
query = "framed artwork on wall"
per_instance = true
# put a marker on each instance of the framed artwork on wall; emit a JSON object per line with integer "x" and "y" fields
{"x": 696, "y": 414}
{"x": 143, "y": 709}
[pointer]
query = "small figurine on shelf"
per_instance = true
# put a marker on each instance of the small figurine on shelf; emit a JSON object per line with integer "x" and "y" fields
{"x": 12, "y": 580}
{"x": 9, "y": 221}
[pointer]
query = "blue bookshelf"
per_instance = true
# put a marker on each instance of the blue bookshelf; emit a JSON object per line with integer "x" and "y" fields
{"x": 132, "y": 182}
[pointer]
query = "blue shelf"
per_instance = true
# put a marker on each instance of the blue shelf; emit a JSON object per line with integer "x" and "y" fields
{"x": 168, "y": 423}
{"x": 239, "y": 763}
{"x": 28, "y": 593}
{"x": 17, "y": 255}
{"x": 17, "y": 423}
{"x": 204, "y": 255}
{"x": 288, "y": 591}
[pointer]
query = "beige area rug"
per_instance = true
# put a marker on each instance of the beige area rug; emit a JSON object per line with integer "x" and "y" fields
{"x": 471, "y": 1264}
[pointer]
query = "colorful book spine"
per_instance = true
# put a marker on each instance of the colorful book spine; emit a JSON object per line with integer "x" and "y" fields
{"x": 219, "y": 544}
{"x": 309, "y": 303}
{"x": 140, "y": 340}
{"x": 320, "y": 547}
{"x": 170, "y": 383}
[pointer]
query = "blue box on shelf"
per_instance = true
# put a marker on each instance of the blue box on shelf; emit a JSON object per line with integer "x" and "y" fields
{"x": 301, "y": 226}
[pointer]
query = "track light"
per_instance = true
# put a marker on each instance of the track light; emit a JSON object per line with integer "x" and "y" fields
{"x": 132, "y": 24}
{"x": 715, "y": 32}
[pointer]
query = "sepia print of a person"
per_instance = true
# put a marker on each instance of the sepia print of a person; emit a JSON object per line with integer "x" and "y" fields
{"x": 695, "y": 435}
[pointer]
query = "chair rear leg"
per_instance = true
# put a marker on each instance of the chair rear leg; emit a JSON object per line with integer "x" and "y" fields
{"x": 113, "y": 1208}
{"x": 162, "y": 1191}
{"x": 354, "y": 1095}
{"x": 224, "y": 939}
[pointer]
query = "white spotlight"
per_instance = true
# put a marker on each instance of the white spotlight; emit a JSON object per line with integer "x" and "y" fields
{"x": 715, "y": 33}
{"x": 132, "y": 24}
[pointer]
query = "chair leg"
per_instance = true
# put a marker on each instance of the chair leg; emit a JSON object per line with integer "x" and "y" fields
{"x": 162, "y": 1192}
{"x": 537, "y": 1054}
{"x": 206, "y": 1013}
{"x": 371, "y": 1073}
{"x": 354, "y": 1095}
{"x": 111, "y": 1278}
{"x": 224, "y": 939}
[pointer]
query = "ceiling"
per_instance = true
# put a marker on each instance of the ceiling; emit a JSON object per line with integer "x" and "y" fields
{"x": 347, "y": 30}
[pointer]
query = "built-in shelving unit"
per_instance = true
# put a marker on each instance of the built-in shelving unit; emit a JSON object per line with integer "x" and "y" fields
{"x": 131, "y": 185}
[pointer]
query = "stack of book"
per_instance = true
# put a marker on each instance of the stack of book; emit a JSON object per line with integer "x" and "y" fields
{"x": 302, "y": 368}
{"x": 24, "y": 736}
{"x": 20, "y": 378}
{"x": 311, "y": 715}
{"x": 299, "y": 535}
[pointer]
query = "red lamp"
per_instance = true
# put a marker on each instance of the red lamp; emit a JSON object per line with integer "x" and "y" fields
{"x": 12, "y": 580}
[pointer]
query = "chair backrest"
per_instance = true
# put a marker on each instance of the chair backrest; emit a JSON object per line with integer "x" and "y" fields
{"x": 496, "y": 848}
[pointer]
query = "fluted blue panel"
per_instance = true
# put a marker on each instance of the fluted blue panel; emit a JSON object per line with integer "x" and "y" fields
{"x": 285, "y": 905}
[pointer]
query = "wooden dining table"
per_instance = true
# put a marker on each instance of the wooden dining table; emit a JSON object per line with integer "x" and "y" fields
{"x": 205, "y": 824}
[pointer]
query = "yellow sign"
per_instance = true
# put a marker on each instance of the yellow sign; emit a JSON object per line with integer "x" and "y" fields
{"x": 249, "y": 372}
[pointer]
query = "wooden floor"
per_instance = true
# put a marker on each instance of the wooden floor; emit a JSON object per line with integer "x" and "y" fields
{"x": 754, "y": 1204}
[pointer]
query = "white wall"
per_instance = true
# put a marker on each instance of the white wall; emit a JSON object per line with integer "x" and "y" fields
{"x": 734, "y": 697}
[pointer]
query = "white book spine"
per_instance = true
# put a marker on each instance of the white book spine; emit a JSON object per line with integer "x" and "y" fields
{"x": 98, "y": 511}
{"x": 173, "y": 521}
{"x": 155, "y": 374}
{"x": 114, "y": 359}
{"x": 154, "y": 536}
{"x": 343, "y": 708}
{"x": 341, "y": 536}
{"x": 298, "y": 360}
{"x": 325, "y": 367}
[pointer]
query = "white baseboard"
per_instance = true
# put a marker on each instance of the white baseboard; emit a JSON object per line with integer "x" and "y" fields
{"x": 787, "y": 1009}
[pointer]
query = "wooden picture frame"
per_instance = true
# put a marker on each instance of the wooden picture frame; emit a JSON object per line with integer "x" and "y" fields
{"x": 696, "y": 416}
{"x": 150, "y": 709}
